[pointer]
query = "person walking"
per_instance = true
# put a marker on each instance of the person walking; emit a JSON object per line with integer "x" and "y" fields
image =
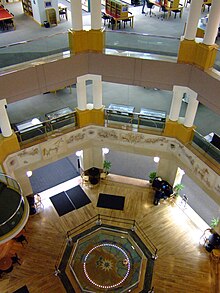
{"x": 143, "y": 6}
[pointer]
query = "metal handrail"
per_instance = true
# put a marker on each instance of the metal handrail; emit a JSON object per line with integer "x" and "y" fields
{"x": 98, "y": 220}
{"x": 66, "y": 33}
{"x": 47, "y": 125}
{"x": 19, "y": 191}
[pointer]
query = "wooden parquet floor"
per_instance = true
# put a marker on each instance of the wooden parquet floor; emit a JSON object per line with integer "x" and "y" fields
{"x": 183, "y": 265}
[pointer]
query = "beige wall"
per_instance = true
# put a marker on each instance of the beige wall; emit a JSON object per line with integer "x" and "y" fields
{"x": 41, "y": 78}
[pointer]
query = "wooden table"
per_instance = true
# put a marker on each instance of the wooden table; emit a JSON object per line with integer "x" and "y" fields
{"x": 5, "y": 263}
{"x": 169, "y": 6}
{"x": 116, "y": 19}
{"x": 5, "y": 15}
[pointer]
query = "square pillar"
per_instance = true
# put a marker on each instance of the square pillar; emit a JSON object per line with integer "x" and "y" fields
{"x": 78, "y": 42}
{"x": 179, "y": 131}
{"x": 8, "y": 145}
{"x": 187, "y": 51}
{"x": 88, "y": 117}
{"x": 205, "y": 55}
{"x": 86, "y": 41}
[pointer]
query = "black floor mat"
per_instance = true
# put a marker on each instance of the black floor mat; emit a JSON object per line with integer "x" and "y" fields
{"x": 109, "y": 201}
{"x": 23, "y": 289}
{"x": 62, "y": 204}
{"x": 78, "y": 197}
{"x": 52, "y": 175}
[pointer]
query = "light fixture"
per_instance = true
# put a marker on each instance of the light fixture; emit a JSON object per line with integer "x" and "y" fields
{"x": 156, "y": 159}
{"x": 79, "y": 153}
{"x": 126, "y": 263}
{"x": 29, "y": 173}
{"x": 35, "y": 121}
{"x": 182, "y": 172}
{"x": 105, "y": 151}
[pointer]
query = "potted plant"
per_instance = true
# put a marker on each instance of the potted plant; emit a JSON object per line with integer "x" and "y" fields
{"x": 214, "y": 222}
{"x": 177, "y": 188}
{"x": 152, "y": 176}
{"x": 107, "y": 166}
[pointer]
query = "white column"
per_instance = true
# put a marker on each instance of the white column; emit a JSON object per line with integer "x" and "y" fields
{"x": 81, "y": 93}
{"x": 193, "y": 19}
{"x": 96, "y": 18}
{"x": 191, "y": 109}
{"x": 92, "y": 157}
{"x": 178, "y": 92}
{"x": 167, "y": 169}
{"x": 4, "y": 121}
{"x": 76, "y": 15}
{"x": 97, "y": 92}
{"x": 213, "y": 23}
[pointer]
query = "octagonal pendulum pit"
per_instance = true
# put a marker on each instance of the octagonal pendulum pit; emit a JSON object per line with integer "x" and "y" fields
{"x": 107, "y": 260}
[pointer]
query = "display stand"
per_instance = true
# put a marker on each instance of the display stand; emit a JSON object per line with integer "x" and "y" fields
{"x": 51, "y": 16}
{"x": 151, "y": 118}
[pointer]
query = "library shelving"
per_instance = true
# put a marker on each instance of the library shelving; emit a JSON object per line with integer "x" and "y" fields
{"x": 116, "y": 8}
{"x": 27, "y": 7}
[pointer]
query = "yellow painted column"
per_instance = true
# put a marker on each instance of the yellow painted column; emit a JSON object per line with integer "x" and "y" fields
{"x": 78, "y": 41}
{"x": 188, "y": 45}
{"x": 8, "y": 145}
{"x": 179, "y": 131}
{"x": 86, "y": 41}
{"x": 187, "y": 51}
{"x": 90, "y": 116}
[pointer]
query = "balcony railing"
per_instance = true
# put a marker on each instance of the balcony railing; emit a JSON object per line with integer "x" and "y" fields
{"x": 127, "y": 44}
{"x": 11, "y": 189}
{"x": 115, "y": 119}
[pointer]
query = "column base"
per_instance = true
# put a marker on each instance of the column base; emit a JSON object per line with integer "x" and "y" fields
{"x": 187, "y": 51}
{"x": 179, "y": 131}
{"x": 8, "y": 145}
{"x": 197, "y": 54}
{"x": 86, "y": 41}
{"x": 88, "y": 117}
{"x": 205, "y": 55}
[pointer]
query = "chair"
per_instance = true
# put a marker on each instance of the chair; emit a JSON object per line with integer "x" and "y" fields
{"x": 15, "y": 259}
{"x": 204, "y": 239}
{"x": 9, "y": 22}
{"x": 150, "y": 5}
{"x": 37, "y": 201}
{"x": 85, "y": 178}
{"x": 164, "y": 10}
{"x": 21, "y": 239}
{"x": 113, "y": 23}
{"x": 105, "y": 17}
{"x": 63, "y": 13}
{"x": 103, "y": 176}
{"x": 178, "y": 10}
{"x": 208, "y": 4}
{"x": 187, "y": 2}
{"x": 125, "y": 21}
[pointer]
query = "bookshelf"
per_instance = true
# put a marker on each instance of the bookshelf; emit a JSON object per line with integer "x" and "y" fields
{"x": 116, "y": 8}
{"x": 27, "y": 7}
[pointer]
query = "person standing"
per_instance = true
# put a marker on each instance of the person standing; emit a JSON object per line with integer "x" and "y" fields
{"x": 143, "y": 6}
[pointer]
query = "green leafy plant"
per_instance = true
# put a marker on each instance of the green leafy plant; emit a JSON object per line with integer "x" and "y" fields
{"x": 177, "y": 188}
{"x": 106, "y": 166}
{"x": 214, "y": 222}
{"x": 152, "y": 176}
